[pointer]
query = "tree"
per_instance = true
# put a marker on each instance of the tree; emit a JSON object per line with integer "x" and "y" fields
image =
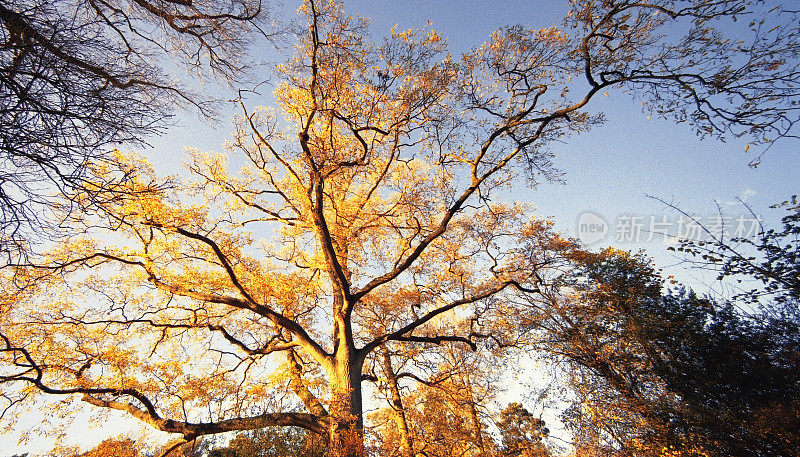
{"x": 773, "y": 259}
{"x": 743, "y": 365}
{"x": 590, "y": 321}
{"x": 438, "y": 401}
{"x": 111, "y": 447}
{"x": 657, "y": 371}
{"x": 79, "y": 78}
{"x": 372, "y": 186}
{"x": 114, "y": 448}
{"x": 127, "y": 447}
{"x": 734, "y": 372}
{"x": 271, "y": 442}
{"x": 522, "y": 433}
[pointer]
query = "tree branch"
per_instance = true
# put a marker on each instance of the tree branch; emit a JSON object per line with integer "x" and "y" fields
{"x": 405, "y": 330}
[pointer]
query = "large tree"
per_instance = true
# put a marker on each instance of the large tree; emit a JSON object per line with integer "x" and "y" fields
{"x": 364, "y": 215}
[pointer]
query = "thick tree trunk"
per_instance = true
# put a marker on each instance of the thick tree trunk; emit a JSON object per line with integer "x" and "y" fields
{"x": 346, "y": 420}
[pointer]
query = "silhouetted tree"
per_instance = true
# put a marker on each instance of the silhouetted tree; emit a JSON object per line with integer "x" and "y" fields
{"x": 674, "y": 370}
{"x": 771, "y": 258}
{"x": 79, "y": 77}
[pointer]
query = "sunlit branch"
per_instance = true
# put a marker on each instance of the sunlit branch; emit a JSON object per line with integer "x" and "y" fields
{"x": 299, "y": 386}
{"x": 222, "y": 258}
{"x": 240, "y": 195}
{"x": 149, "y": 415}
{"x": 193, "y": 430}
{"x": 304, "y": 339}
{"x": 407, "y": 329}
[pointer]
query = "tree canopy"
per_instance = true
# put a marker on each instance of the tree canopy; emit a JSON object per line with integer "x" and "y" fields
{"x": 366, "y": 221}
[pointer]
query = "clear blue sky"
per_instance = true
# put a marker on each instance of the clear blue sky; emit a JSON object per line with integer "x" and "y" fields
{"x": 608, "y": 171}
{"x": 612, "y": 169}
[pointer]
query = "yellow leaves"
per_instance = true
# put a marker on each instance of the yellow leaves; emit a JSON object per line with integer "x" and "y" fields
{"x": 213, "y": 165}
{"x": 295, "y": 101}
{"x": 405, "y": 35}
{"x": 687, "y": 451}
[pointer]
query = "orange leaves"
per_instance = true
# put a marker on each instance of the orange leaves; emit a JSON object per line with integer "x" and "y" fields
{"x": 414, "y": 37}
{"x": 774, "y": 65}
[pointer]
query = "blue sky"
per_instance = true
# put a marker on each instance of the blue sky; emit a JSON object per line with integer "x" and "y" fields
{"x": 608, "y": 171}
{"x": 612, "y": 169}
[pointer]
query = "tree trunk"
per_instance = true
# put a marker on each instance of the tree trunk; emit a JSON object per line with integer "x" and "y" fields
{"x": 406, "y": 446}
{"x": 346, "y": 420}
{"x": 477, "y": 425}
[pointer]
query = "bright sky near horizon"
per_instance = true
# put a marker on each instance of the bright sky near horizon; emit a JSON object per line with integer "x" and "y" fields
{"x": 608, "y": 172}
